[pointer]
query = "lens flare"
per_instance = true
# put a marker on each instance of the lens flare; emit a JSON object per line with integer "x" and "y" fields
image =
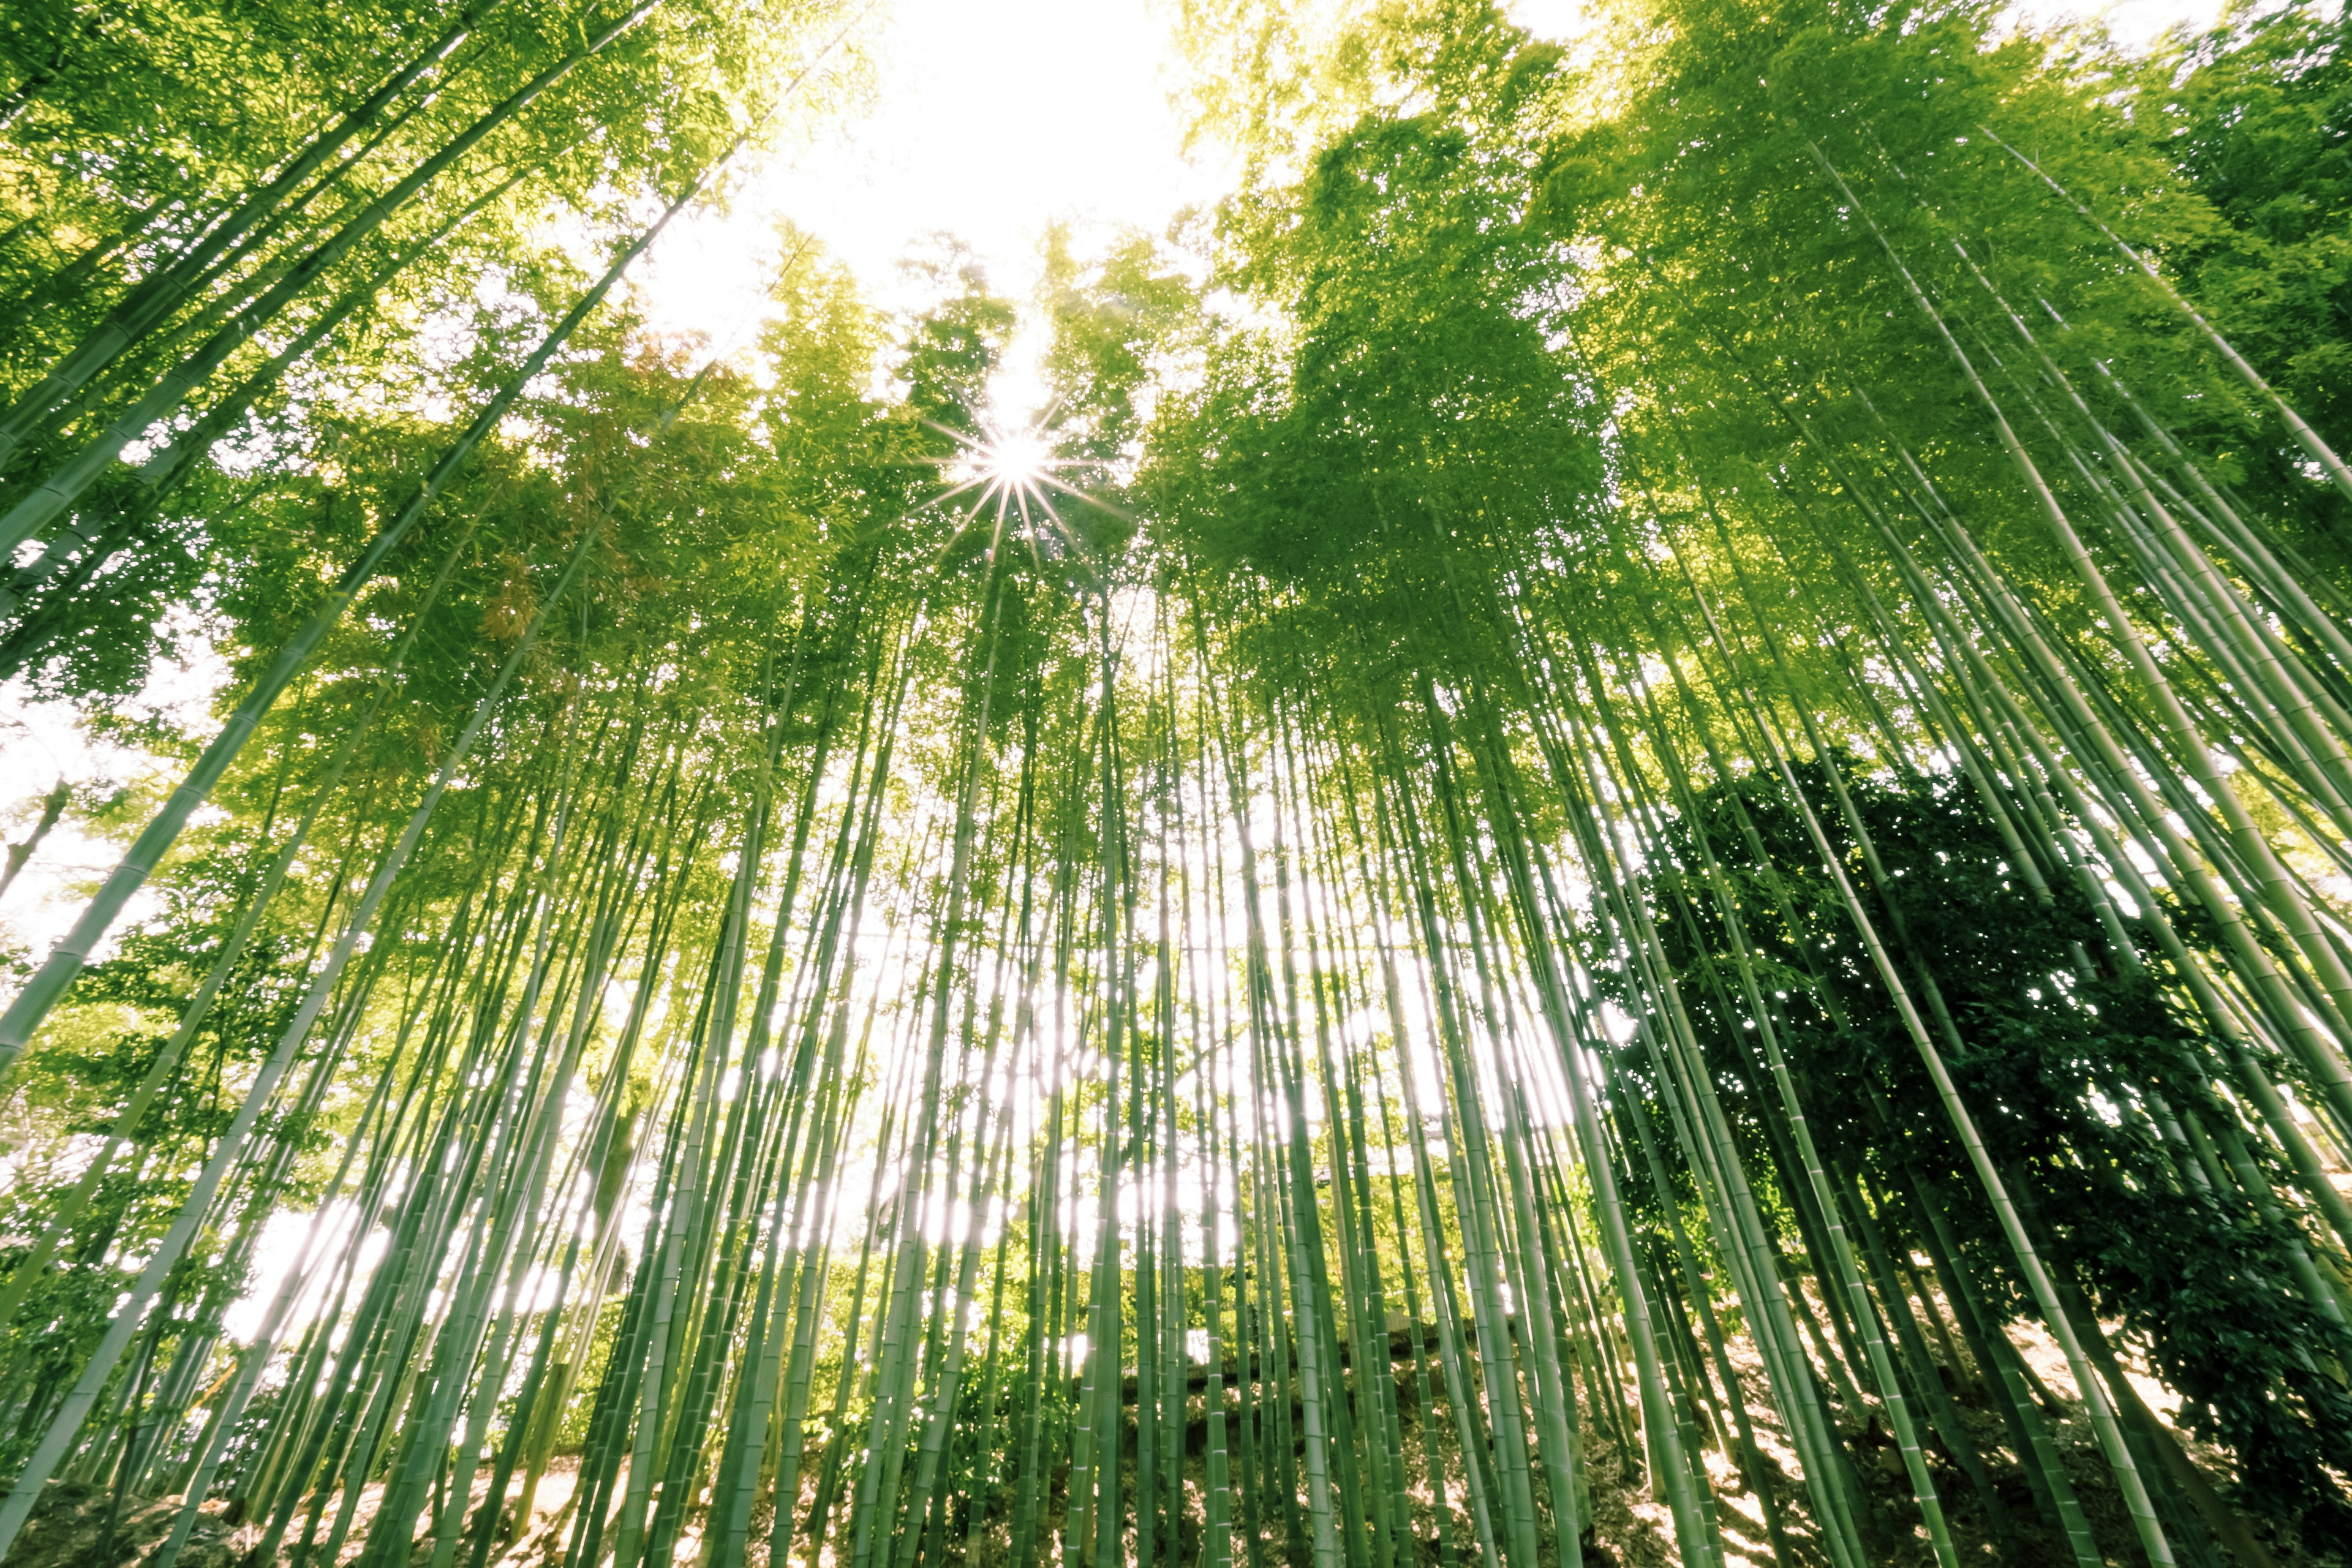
{"x": 1016, "y": 459}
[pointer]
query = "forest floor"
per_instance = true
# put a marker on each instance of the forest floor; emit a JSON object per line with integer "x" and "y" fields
{"x": 1630, "y": 1527}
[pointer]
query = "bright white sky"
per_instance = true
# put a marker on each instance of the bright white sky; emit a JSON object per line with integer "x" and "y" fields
{"x": 991, "y": 119}
{"x": 988, "y": 122}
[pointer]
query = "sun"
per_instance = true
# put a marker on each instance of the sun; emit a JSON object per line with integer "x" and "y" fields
{"x": 1014, "y": 459}
{"x": 1011, "y": 475}
{"x": 1001, "y": 462}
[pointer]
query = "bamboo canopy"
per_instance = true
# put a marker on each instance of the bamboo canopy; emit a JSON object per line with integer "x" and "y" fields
{"x": 1627, "y": 842}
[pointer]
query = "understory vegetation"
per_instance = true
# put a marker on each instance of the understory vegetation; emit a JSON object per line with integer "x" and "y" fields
{"x": 1628, "y": 840}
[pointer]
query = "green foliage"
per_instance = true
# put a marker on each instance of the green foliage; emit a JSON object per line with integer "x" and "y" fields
{"x": 2071, "y": 1077}
{"x": 2254, "y": 114}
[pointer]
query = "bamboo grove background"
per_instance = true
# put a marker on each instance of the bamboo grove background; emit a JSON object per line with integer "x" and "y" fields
{"x": 1638, "y": 854}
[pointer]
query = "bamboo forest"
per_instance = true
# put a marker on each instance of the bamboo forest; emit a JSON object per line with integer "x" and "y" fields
{"x": 1623, "y": 837}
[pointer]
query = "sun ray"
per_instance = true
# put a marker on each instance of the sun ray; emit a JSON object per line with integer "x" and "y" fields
{"x": 1014, "y": 471}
